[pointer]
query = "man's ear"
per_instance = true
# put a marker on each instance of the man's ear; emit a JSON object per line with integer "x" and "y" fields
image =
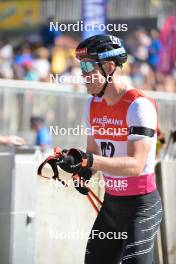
{"x": 113, "y": 66}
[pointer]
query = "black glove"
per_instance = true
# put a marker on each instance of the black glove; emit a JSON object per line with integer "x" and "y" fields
{"x": 81, "y": 179}
{"x": 74, "y": 159}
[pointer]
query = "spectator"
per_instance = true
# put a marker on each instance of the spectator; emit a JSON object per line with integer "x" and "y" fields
{"x": 23, "y": 55}
{"x": 142, "y": 42}
{"x": 6, "y": 55}
{"x": 41, "y": 64}
{"x": 168, "y": 40}
{"x": 43, "y": 138}
{"x": 154, "y": 49}
{"x": 30, "y": 73}
{"x": 61, "y": 53}
{"x": 72, "y": 73}
{"x": 48, "y": 36}
{"x": 151, "y": 64}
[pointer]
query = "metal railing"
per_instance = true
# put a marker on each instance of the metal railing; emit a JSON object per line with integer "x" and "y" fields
{"x": 61, "y": 106}
{"x": 70, "y": 10}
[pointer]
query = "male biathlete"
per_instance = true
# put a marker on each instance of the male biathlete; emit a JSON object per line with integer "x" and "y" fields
{"x": 122, "y": 144}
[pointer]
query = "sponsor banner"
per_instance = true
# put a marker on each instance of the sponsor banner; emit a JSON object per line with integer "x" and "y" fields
{"x": 16, "y": 14}
{"x": 94, "y": 13}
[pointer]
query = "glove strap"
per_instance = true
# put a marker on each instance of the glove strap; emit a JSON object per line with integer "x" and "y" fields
{"x": 88, "y": 162}
{"x": 52, "y": 161}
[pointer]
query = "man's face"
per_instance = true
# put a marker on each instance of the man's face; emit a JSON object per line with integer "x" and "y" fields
{"x": 33, "y": 126}
{"x": 92, "y": 75}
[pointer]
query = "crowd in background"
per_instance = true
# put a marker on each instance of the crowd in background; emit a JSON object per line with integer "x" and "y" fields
{"x": 151, "y": 62}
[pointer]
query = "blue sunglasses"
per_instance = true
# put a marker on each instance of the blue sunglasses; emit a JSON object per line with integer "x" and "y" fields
{"x": 88, "y": 66}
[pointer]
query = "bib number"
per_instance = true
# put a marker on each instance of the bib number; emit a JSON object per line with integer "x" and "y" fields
{"x": 107, "y": 149}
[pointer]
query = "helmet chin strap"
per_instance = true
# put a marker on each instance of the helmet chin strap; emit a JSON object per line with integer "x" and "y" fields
{"x": 101, "y": 93}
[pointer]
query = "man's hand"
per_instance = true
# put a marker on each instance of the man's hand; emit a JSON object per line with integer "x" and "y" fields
{"x": 12, "y": 140}
{"x": 75, "y": 159}
{"x": 70, "y": 161}
{"x": 81, "y": 179}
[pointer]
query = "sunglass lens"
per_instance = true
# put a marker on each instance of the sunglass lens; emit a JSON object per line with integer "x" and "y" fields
{"x": 87, "y": 66}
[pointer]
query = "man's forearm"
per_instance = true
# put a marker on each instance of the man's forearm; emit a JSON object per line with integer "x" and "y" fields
{"x": 3, "y": 140}
{"x": 123, "y": 166}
